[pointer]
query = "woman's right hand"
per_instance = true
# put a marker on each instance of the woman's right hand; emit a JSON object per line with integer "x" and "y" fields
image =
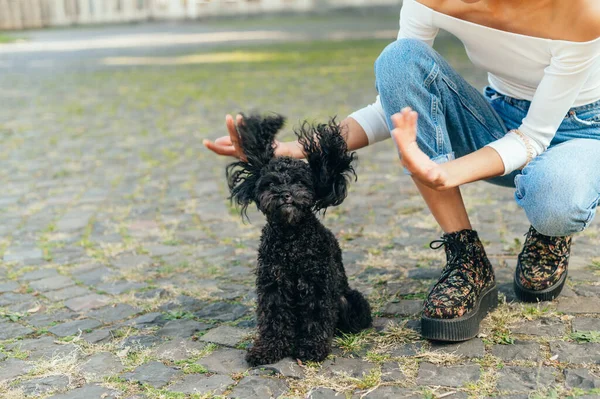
{"x": 230, "y": 145}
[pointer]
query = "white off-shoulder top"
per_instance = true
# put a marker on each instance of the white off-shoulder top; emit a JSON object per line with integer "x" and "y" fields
{"x": 554, "y": 75}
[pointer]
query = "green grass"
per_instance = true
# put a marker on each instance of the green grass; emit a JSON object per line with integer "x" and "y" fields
{"x": 5, "y": 38}
{"x": 586, "y": 336}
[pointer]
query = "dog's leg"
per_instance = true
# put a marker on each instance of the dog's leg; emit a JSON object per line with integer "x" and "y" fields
{"x": 317, "y": 315}
{"x": 276, "y": 323}
{"x": 355, "y": 312}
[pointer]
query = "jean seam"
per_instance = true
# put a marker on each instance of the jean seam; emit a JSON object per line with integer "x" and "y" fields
{"x": 465, "y": 104}
{"x": 592, "y": 213}
{"x": 432, "y": 75}
{"x": 593, "y": 122}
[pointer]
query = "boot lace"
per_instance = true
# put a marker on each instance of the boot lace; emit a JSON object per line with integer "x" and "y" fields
{"x": 456, "y": 262}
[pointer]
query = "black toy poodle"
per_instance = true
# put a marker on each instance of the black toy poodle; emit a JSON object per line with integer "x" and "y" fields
{"x": 302, "y": 288}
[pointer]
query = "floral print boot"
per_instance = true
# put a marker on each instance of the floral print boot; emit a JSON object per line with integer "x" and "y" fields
{"x": 542, "y": 267}
{"x": 465, "y": 292}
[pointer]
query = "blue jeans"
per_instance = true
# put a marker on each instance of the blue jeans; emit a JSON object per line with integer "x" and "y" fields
{"x": 559, "y": 189}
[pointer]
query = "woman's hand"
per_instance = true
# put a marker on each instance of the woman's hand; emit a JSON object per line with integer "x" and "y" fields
{"x": 230, "y": 145}
{"x": 416, "y": 161}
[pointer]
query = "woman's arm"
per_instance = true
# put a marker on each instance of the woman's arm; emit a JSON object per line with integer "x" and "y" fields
{"x": 481, "y": 164}
{"x": 229, "y": 145}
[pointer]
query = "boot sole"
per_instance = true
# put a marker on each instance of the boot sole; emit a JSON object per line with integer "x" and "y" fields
{"x": 460, "y": 328}
{"x": 526, "y": 295}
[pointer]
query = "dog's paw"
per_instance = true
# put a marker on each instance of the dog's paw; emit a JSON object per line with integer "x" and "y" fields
{"x": 316, "y": 353}
{"x": 260, "y": 356}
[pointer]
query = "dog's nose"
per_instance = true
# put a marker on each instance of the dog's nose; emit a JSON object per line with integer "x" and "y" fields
{"x": 288, "y": 198}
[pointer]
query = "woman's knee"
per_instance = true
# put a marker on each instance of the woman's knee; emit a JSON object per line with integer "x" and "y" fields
{"x": 403, "y": 59}
{"x": 555, "y": 204}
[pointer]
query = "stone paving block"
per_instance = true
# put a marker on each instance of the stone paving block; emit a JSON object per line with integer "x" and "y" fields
{"x": 405, "y": 350}
{"x": 9, "y": 286}
{"x": 424, "y": 273}
{"x": 225, "y": 335}
{"x": 155, "y": 374}
{"x": 112, "y": 313}
{"x": 119, "y": 287}
{"x": 182, "y": 328}
{"x": 449, "y": 376}
{"x": 543, "y": 327}
{"x": 44, "y": 385}
{"x": 582, "y": 379}
{"x": 579, "y": 305}
{"x": 100, "y": 365}
{"x": 89, "y": 391}
{"x": 222, "y": 311}
{"x": 392, "y": 393}
{"x": 259, "y": 388}
{"x": 52, "y": 283}
{"x": 12, "y": 368}
{"x": 97, "y": 336}
{"x": 130, "y": 262}
{"x": 44, "y": 347}
{"x": 344, "y": 366}
{"x": 87, "y": 302}
{"x": 74, "y": 327}
{"x": 587, "y": 290}
{"x": 471, "y": 348}
{"x": 148, "y": 320}
{"x": 201, "y": 384}
{"x": 74, "y": 220}
{"x": 287, "y": 367}
{"x": 184, "y": 303}
{"x": 43, "y": 319}
{"x": 25, "y": 255}
{"x": 522, "y": 379}
{"x": 225, "y": 361}
{"x": 161, "y": 250}
{"x": 178, "y": 349}
{"x": 324, "y": 393}
{"x": 13, "y": 330}
{"x": 95, "y": 276}
{"x": 520, "y": 350}
{"x": 10, "y": 298}
{"x": 140, "y": 341}
{"x": 585, "y": 324}
{"x": 404, "y": 307}
{"x": 391, "y": 372}
{"x": 576, "y": 353}
{"x": 67, "y": 293}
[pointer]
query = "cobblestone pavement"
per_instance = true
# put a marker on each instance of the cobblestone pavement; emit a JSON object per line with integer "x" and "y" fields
{"x": 126, "y": 274}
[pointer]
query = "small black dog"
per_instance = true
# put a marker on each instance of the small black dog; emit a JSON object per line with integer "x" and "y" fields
{"x": 302, "y": 288}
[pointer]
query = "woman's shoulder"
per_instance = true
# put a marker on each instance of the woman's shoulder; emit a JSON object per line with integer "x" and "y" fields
{"x": 591, "y": 22}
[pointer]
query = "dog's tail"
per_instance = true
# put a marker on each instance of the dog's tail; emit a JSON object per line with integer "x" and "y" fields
{"x": 355, "y": 313}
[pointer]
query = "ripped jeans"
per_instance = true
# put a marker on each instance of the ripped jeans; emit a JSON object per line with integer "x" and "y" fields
{"x": 559, "y": 189}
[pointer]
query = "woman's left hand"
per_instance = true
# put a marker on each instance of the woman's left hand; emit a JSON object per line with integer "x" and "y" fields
{"x": 416, "y": 161}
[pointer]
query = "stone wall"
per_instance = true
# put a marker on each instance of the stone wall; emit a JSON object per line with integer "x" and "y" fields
{"x": 25, "y": 14}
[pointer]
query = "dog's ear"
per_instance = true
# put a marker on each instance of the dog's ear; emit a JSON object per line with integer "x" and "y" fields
{"x": 331, "y": 163}
{"x": 257, "y": 136}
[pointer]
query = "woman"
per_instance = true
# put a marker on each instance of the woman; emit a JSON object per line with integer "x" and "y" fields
{"x": 536, "y": 128}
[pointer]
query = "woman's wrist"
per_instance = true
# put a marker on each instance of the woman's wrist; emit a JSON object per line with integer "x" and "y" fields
{"x": 291, "y": 149}
{"x": 479, "y": 165}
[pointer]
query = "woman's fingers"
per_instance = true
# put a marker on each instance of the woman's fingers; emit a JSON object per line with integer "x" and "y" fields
{"x": 228, "y": 145}
{"x": 405, "y": 132}
{"x": 231, "y": 128}
{"x": 221, "y": 146}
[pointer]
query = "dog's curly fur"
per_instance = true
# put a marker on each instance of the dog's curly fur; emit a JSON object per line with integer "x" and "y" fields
{"x": 302, "y": 288}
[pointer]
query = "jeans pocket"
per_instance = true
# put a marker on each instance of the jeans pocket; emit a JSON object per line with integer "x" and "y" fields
{"x": 586, "y": 118}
